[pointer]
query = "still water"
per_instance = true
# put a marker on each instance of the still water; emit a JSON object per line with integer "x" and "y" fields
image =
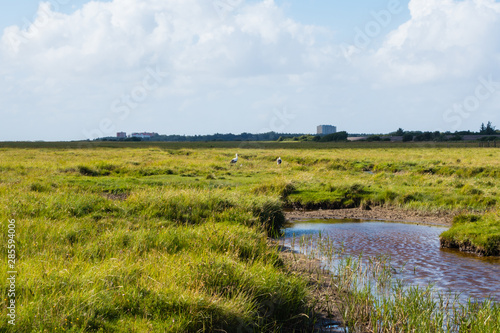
{"x": 414, "y": 247}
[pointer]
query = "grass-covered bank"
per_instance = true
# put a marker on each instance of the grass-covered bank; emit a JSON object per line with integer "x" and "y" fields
{"x": 474, "y": 233}
{"x": 159, "y": 260}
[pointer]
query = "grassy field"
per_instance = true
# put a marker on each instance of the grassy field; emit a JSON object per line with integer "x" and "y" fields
{"x": 170, "y": 237}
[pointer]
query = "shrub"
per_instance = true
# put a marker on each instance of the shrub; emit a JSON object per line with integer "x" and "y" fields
{"x": 339, "y": 136}
{"x": 407, "y": 137}
{"x": 37, "y": 187}
{"x": 270, "y": 215}
{"x": 87, "y": 171}
{"x": 374, "y": 138}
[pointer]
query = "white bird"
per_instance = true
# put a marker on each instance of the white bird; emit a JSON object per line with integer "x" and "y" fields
{"x": 279, "y": 161}
{"x": 234, "y": 160}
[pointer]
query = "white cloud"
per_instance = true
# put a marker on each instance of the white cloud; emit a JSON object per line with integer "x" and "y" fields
{"x": 68, "y": 70}
{"x": 442, "y": 40}
{"x": 102, "y": 51}
{"x": 185, "y": 35}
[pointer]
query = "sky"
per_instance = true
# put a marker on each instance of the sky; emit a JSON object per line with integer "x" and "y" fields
{"x": 77, "y": 69}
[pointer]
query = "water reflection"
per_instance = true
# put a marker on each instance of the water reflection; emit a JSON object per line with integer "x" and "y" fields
{"x": 417, "y": 247}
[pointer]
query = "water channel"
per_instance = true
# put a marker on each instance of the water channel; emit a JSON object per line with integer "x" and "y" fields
{"x": 414, "y": 247}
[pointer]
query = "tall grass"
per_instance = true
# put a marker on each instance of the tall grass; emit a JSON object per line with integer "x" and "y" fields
{"x": 474, "y": 233}
{"x": 376, "y": 305}
{"x": 373, "y": 299}
{"x": 128, "y": 274}
{"x": 173, "y": 238}
{"x": 106, "y": 248}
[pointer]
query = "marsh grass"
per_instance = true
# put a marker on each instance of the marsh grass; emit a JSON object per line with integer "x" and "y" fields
{"x": 159, "y": 237}
{"x": 474, "y": 233}
{"x": 78, "y": 274}
{"x": 374, "y": 299}
{"x": 102, "y": 247}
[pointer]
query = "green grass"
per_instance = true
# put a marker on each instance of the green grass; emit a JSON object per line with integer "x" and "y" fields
{"x": 110, "y": 241}
{"x": 474, "y": 233}
{"x": 163, "y": 261}
{"x": 171, "y": 237}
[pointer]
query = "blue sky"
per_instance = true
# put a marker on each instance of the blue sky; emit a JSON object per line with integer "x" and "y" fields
{"x": 14, "y": 12}
{"x": 332, "y": 13}
{"x": 80, "y": 69}
{"x": 340, "y": 16}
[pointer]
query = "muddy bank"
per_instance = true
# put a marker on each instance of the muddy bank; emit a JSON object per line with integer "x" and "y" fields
{"x": 468, "y": 247}
{"x": 324, "y": 300}
{"x": 374, "y": 213}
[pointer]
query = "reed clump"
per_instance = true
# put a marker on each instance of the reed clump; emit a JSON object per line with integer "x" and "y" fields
{"x": 373, "y": 298}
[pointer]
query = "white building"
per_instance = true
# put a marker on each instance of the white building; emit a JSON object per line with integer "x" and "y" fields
{"x": 326, "y": 129}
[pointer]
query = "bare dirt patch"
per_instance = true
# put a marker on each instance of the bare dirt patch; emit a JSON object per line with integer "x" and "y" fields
{"x": 374, "y": 213}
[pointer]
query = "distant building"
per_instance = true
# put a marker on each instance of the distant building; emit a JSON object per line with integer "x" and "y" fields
{"x": 121, "y": 135}
{"x": 326, "y": 129}
{"x": 144, "y": 135}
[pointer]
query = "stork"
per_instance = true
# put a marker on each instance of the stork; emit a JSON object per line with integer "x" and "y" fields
{"x": 278, "y": 161}
{"x": 234, "y": 160}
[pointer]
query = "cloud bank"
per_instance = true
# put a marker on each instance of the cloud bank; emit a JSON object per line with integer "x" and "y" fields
{"x": 196, "y": 66}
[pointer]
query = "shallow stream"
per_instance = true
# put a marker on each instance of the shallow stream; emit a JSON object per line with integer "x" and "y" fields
{"x": 414, "y": 247}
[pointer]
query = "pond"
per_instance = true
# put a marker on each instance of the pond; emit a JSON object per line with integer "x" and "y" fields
{"x": 412, "y": 246}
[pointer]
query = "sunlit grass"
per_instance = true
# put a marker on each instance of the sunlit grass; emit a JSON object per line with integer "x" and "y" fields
{"x": 480, "y": 234}
{"x": 174, "y": 238}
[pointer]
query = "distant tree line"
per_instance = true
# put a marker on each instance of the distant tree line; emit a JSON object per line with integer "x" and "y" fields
{"x": 334, "y": 137}
{"x": 270, "y": 136}
{"x": 487, "y": 131}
